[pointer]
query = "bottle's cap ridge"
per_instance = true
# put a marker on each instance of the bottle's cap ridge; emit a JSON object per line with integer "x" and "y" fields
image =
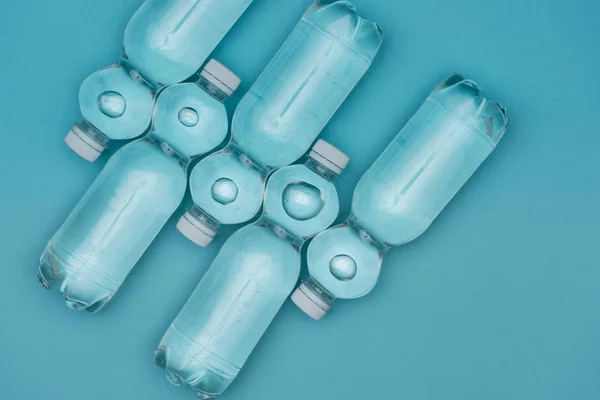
{"x": 310, "y": 303}
{"x": 330, "y": 156}
{"x": 221, "y": 76}
{"x": 83, "y": 145}
{"x": 194, "y": 230}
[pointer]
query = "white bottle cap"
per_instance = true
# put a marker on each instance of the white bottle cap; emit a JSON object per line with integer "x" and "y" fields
{"x": 310, "y": 303}
{"x": 221, "y": 76}
{"x": 195, "y": 230}
{"x": 83, "y": 145}
{"x": 328, "y": 155}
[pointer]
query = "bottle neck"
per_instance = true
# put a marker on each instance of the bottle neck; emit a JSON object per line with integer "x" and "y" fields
{"x": 137, "y": 76}
{"x": 245, "y": 159}
{"x": 169, "y": 151}
{"x": 279, "y": 231}
{"x": 91, "y": 132}
{"x": 212, "y": 90}
{"x": 365, "y": 235}
{"x": 319, "y": 291}
{"x": 204, "y": 218}
{"x": 321, "y": 170}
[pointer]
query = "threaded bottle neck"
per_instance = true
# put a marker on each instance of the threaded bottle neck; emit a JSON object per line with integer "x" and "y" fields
{"x": 212, "y": 90}
{"x": 204, "y": 218}
{"x": 321, "y": 170}
{"x": 319, "y": 291}
{"x": 92, "y": 133}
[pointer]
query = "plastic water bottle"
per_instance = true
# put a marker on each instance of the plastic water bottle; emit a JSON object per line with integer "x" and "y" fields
{"x": 280, "y": 117}
{"x": 166, "y": 42}
{"x": 141, "y": 186}
{"x": 251, "y": 277}
{"x": 443, "y": 144}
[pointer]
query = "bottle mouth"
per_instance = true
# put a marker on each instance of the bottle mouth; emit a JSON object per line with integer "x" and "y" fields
{"x": 196, "y": 229}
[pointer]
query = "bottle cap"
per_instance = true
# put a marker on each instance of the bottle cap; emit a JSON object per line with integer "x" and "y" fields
{"x": 310, "y": 303}
{"x": 328, "y": 155}
{"x": 83, "y": 145}
{"x": 195, "y": 230}
{"x": 221, "y": 76}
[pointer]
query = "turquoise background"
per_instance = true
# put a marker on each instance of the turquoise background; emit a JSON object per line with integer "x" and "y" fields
{"x": 500, "y": 299}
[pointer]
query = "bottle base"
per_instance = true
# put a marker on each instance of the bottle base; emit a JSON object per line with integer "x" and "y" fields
{"x": 187, "y": 364}
{"x": 79, "y": 291}
{"x": 175, "y": 378}
{"x": 42, "y": 280}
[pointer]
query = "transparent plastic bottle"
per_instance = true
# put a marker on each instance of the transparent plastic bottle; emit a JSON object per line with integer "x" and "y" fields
{"x": 166, "y": 42}
{"x": 398, "y": 198}
{"x": 141, "y": 186}
{"x": 275, "y": 123}
{"x": 251, "y": 277}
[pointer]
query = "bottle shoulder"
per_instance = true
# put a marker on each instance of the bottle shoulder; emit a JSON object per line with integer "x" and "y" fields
{"x": 300, "y": 201}
{"x": 387, "y": 215}
{"x": 195, "y": 92}
{"x": 191, "y": 95}
{"x": 253, "y": 235}
{"x": 344, "y": 262}
{"x": 189, "y": 119}
{"x": 259, "y": 246}
{"x": 225, "y": 188}
{"x": 115, "y": 104}
{"x": 147, "y": 156}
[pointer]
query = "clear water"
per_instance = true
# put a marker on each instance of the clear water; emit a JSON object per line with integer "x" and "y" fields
{"x": 294, "y": 193}
{"x": 112, "y": 104}
{"x": 253, "y": 274}
{"x": 302, "y": 201}
{"x": 167, "y": 41}
{"x": 343, "y": 263}
{"x": 189, "y": 119}
{"x": 398, "y": 198}
{"x": 226, "y": 189}
{"x": 133, "y": 197}
{"x": 304, "y": 84}
{"x": 116, "y": 105}
{"x": 343, "y": 267}
{"x": 110, "y": 228}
